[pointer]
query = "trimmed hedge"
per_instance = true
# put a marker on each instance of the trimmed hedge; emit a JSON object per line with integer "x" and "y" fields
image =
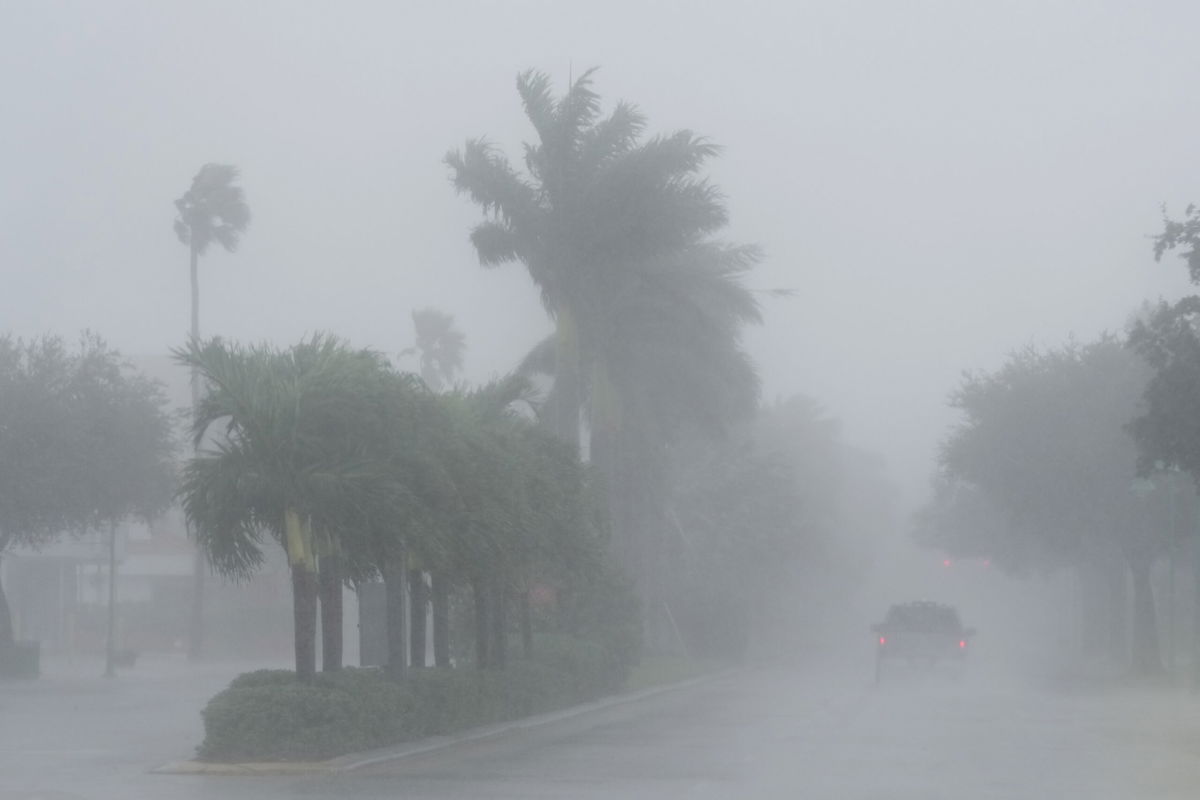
{"x": 268, "y": 715}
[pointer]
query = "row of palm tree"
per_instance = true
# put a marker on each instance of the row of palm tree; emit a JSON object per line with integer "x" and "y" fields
{"x": 616, "y": 231}
{"x": 360, "y": 471}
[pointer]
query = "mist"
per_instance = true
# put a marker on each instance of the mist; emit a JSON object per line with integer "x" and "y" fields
{"x": 934, "y": 189}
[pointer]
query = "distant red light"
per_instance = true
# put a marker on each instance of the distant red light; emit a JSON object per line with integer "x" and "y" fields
{"x": 882, "y": 641}
{"x": 946, "y": 563}
{"x": 962, "y": 644}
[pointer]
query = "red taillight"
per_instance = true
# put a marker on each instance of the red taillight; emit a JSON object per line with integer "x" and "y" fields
{"x": 882, "y": 641}
{"x": 962, "y": 644}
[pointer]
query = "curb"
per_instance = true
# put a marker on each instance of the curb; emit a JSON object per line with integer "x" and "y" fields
{"x": 354, "y": 761}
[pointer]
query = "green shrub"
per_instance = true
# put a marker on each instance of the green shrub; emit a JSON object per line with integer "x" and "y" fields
{"x": 453, "y": 699}
{"x": 268, "y": 715}
{"x": 271, "y": 716}
{"x": 263, "y": 677}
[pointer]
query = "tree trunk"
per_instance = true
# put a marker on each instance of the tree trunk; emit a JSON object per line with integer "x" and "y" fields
{"x": 199, "y": 568}
{"x": 1195, "y": 614}
{"x": 7, "y": 639}
{"x": 110, "y": 646}
{"x": 565, "y": 412}
{"x": 526, "y": 624}
{"x": 419, "y": 604}
{"x": 331, "y": 613}
{"x": 393, "y": 588}
{"x": 1146, "y": 658}
{"x": 482, "y": 638}
{"x": 304, "y": 613}
{"x": 499, "y": 648}
{"x": 440, "y": 591}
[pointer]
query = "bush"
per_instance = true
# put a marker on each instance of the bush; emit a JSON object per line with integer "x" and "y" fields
{"x": 268, "y": 715}
{"x": 451, "y": 699}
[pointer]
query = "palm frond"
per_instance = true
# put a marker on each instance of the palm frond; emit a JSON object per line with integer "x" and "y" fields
{"x": 496, "y": 243}
{"x": 213, "y": 209}
{"x": 483, "y": 173}
{"x": 536, "y": 96}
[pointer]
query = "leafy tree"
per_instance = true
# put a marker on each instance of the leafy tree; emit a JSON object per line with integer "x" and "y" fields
{"x": 1182, "y": 235}
{"x": 84, "y": 443}
{"x": 767, "y": 521}
{"x": 1166, "y": 336}
{"x": 213, "y": 210}
{"x": 1044, "y": 442}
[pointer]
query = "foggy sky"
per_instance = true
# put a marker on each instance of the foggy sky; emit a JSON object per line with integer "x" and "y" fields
{"x": 939, "y": 182}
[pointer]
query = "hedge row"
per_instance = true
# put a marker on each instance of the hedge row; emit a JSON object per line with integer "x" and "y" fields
{"x": 269, "y": 716}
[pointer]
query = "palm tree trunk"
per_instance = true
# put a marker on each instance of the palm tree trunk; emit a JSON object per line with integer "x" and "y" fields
{"x": 526, "y": 624}
{"x": 1146, "y": 658}
{"x": 393, "y": 588}
{"x": 196, "y": 623}
{"x": 440, "y": 591}
{"x": 331, "y": 613}
{"x": 304, "y": 612}
{"x": 7, "y": 639}
{"x": 419, "y": 603}
{"x": 566, "y": 381}
{"x": 499, "y": 648}
{"x": 110, "y": 646}
{"x": 482, "y": 628}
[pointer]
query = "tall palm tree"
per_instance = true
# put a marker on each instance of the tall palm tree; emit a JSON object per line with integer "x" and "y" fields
{"x": 615, "y": 230}
{"x": 213, "y": 210}
{"x": 597, "y": 202}
{"x": 439, "y": 347}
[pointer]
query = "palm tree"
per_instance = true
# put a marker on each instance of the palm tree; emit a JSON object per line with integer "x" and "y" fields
{"x": 596, "y": 205}
{"x": 213, "y": 210}
{"x": 439, "y": 347}
{"x": 289, "y": 460}
{"x": 615, "y": 232}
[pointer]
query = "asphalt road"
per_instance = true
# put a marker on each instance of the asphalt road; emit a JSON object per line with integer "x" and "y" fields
{"x": 761, "y": 733}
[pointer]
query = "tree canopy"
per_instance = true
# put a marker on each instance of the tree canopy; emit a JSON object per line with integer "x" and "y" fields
{"x": 84, "y": 441}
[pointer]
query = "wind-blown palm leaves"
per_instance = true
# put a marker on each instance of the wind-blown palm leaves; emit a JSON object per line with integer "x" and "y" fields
{"x": 289, "y": 460}
{"x": 342, "y": 461}
{"x": 213, "y": 210}
{"x": 439, "y": 347}
{"x": 602, "y": 221}
{"x": 615, "y": 230}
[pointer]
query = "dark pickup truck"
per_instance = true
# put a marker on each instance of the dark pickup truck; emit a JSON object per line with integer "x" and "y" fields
{"x": 921, "y": 633}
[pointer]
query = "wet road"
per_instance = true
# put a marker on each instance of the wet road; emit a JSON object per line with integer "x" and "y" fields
{"x": 762, "y": 733}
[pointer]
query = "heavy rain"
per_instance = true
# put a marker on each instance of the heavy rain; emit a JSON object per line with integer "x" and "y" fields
{"x": 531, "y": 399}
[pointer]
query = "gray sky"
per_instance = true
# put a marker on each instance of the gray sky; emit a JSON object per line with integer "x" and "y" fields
{"x": 940, "y": 182}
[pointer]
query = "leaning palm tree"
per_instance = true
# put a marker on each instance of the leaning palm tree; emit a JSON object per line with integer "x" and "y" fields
{"x": 597, "y": 202}
{"x": 213, "y": 210}
{"x": 615, "y": 230}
